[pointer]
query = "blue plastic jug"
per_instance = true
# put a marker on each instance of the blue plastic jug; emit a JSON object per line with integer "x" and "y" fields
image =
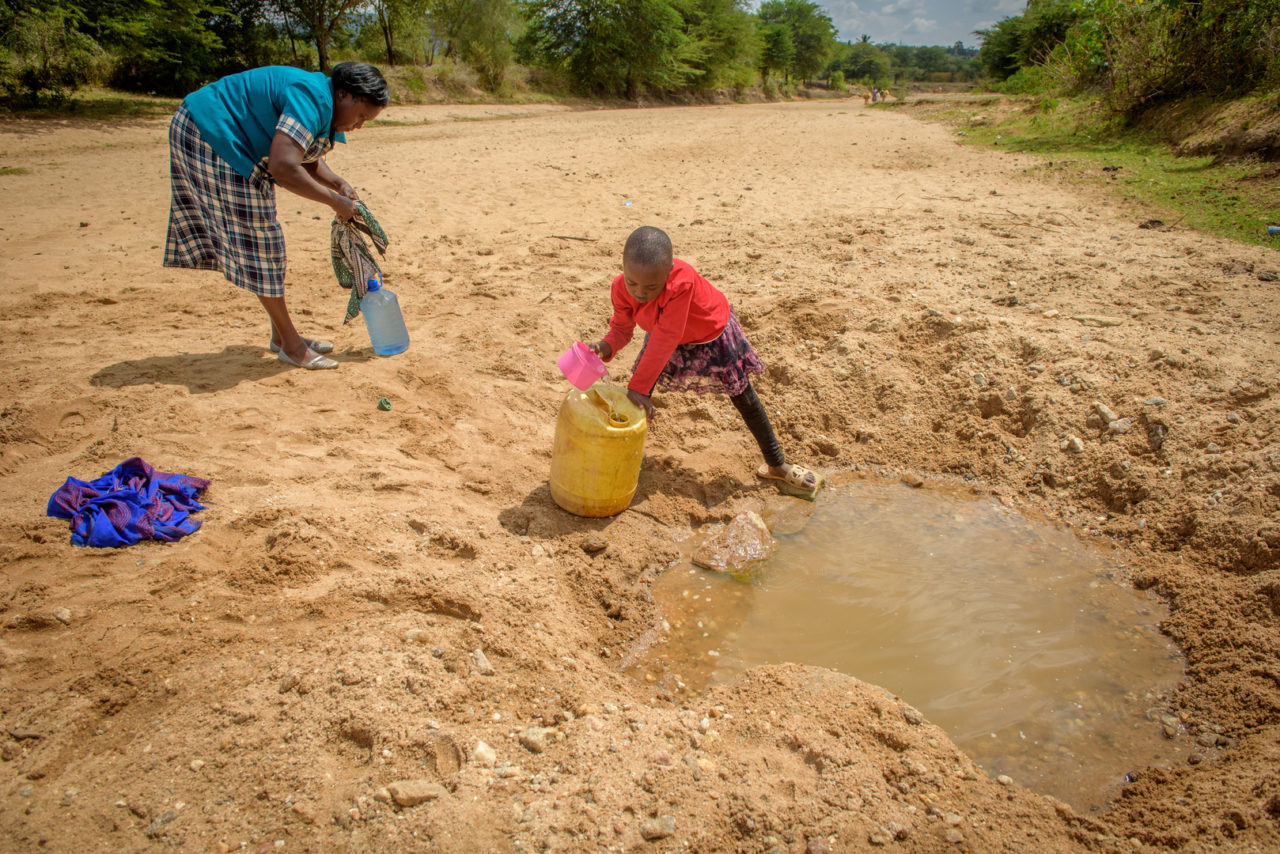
{"x": 382, "y": 317}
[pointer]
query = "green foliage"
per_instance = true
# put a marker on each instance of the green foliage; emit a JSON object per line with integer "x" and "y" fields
{"x": 46, "y": 57}
{"x": 726, "y": 43}
{"x": 836, "y": 81}
{"x": 613, "y": 47}
{"x": 168, "y": 49}
{"x": 1027, "y": 81}
{"x": 1139, "y": 53}
{"x": 778, "y": 51}
{"x": 812, "y": 34}
{"x": 323, "y": 22}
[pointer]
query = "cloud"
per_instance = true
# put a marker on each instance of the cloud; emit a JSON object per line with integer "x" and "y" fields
{"x": 920, "y": 26}
{"x": 902, "y": 7}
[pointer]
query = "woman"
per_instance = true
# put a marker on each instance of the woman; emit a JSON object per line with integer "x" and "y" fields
{"x": 230, "y": 143}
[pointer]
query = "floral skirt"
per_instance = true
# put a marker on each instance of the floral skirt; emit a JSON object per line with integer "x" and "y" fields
{"x": 724, "y": 364}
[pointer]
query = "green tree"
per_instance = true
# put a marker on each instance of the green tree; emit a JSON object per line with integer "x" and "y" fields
{"x": 394, "y": 17}
{"x": 321, "y": 20}
{"x": 612, "y": 47}
{"x": 812, "y": 33}
{"x": 1001, "y": 51}
{"x": 726, "y": 44}
{"x": 778, "y": 51}
{"x": 166, "y": 46}
{"x": 48, "y": 57}
{"x": 867, "y": 62}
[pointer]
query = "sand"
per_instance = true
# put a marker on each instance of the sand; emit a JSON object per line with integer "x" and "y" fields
{"x": 926, "y": 310}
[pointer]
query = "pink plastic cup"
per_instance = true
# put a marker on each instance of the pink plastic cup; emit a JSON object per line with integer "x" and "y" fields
{"x": 581, "y": 367}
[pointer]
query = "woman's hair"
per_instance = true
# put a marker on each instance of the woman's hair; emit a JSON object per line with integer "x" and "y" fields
{"x": 363, "y": 81}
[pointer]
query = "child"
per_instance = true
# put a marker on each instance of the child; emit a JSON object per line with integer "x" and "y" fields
{"x": 694, "y": 343}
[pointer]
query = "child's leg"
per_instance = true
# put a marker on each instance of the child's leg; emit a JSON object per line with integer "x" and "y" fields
{"x": 752, "y": 410}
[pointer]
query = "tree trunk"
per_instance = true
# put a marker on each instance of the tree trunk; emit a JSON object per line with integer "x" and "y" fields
{"x": 384, "y": 20}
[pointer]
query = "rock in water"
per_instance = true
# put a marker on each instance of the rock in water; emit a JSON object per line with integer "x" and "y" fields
{"x": 745, "y": 542}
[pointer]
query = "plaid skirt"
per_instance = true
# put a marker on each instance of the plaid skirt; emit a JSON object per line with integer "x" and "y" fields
{"x": 218, "y": 219}
{"x": 724, "y": 364}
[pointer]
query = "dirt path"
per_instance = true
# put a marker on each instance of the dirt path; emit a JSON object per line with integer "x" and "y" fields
{"x": 922, "y": 307}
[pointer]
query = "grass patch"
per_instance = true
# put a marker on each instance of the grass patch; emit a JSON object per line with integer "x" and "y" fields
{"x": 101, "y": 105}
{"x": 13, "y": 170}
{"x": 1077, "y": 139}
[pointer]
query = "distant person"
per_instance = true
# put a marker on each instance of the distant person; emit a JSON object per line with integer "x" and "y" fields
{"x": 230, "y": 143}
{"x": 694, "y": 343}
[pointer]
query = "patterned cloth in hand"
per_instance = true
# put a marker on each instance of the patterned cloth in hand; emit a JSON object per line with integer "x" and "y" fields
{"x": 353, "y": 263}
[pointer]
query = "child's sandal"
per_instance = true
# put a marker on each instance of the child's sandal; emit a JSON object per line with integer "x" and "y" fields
{"x": 793, "y": 482}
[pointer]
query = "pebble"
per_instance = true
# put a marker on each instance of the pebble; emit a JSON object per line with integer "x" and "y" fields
{"x": 1004, "y": 780}
{"x": 63, "y": 615}
{"x": 1107, "y": 413}
{"x": 594, "y": 543}
{"x": 658, "y": 828}
{"x": 953, "y": 836}
{"x": 817, "y": 845}
{"x": 1212, "y": 448}
{"x": 912, "y": 480}
{"x": 1155, "y": 401}
{"x": 879, "y": 837}
{"x": 913, "y": 716}
{"x": 1050, "y": 314}
{"x": 1119, "y": 426}
{"x": 410, "y": 793}
{"x": 1233, "y": 417}
{"x": 1072, "y": 445}
{"x": 484, "y": 755}
{"x": 196, "y": 764}
{"x": 537, "y": 551}
{"x": 536, "y": 738}
{"x": 481, "y": 662}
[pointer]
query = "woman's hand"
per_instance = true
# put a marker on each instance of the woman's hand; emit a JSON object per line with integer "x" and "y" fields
{"x": 601, "y": 349}
{"x": 345, "y": 189}
{"x": 642, "y": 401}
{"x": 344, "y": 206}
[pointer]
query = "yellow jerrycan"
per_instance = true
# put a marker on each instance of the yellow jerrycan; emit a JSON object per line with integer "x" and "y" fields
{"x": 599, "y": 446}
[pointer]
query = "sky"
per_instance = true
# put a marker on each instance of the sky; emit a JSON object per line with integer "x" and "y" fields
{"x": 918, "y": 22}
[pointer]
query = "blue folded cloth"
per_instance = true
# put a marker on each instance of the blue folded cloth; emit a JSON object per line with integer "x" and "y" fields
{"x": 131, "y": 502}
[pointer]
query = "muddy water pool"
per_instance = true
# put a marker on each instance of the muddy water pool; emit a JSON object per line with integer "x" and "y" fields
{"x": 1024, "y": 644}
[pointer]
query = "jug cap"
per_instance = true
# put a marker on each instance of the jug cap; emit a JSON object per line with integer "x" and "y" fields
{"x": 374, "y": 284}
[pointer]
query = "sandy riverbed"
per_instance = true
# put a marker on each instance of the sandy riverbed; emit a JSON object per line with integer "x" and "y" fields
{"x": 923, "y": 308}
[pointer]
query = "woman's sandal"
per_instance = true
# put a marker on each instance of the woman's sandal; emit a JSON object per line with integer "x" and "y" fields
{"x": 316, "y": 363}
{"x": 320, "y": 347}
{"x": 793, "y": 483}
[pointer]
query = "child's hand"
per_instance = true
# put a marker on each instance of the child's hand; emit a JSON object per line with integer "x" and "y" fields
{"x": 601, "y": 349}
{"x": 642, "y": 401}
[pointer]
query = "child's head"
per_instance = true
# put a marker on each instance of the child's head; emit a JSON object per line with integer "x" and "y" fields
{"x": 646, "y": 262}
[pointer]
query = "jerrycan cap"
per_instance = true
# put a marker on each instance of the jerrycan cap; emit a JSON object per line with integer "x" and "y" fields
{"x": 374, "y": 284}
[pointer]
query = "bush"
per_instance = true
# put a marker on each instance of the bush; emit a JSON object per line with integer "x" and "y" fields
{"x": 836, "y": 82}
{"x": 47, "y": 59}
{"x": 1031, "y": 80}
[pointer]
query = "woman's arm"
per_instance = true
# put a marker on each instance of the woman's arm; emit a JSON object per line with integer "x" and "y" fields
{"x": 286, "y": 167}
{"x": 320, "y": 170}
